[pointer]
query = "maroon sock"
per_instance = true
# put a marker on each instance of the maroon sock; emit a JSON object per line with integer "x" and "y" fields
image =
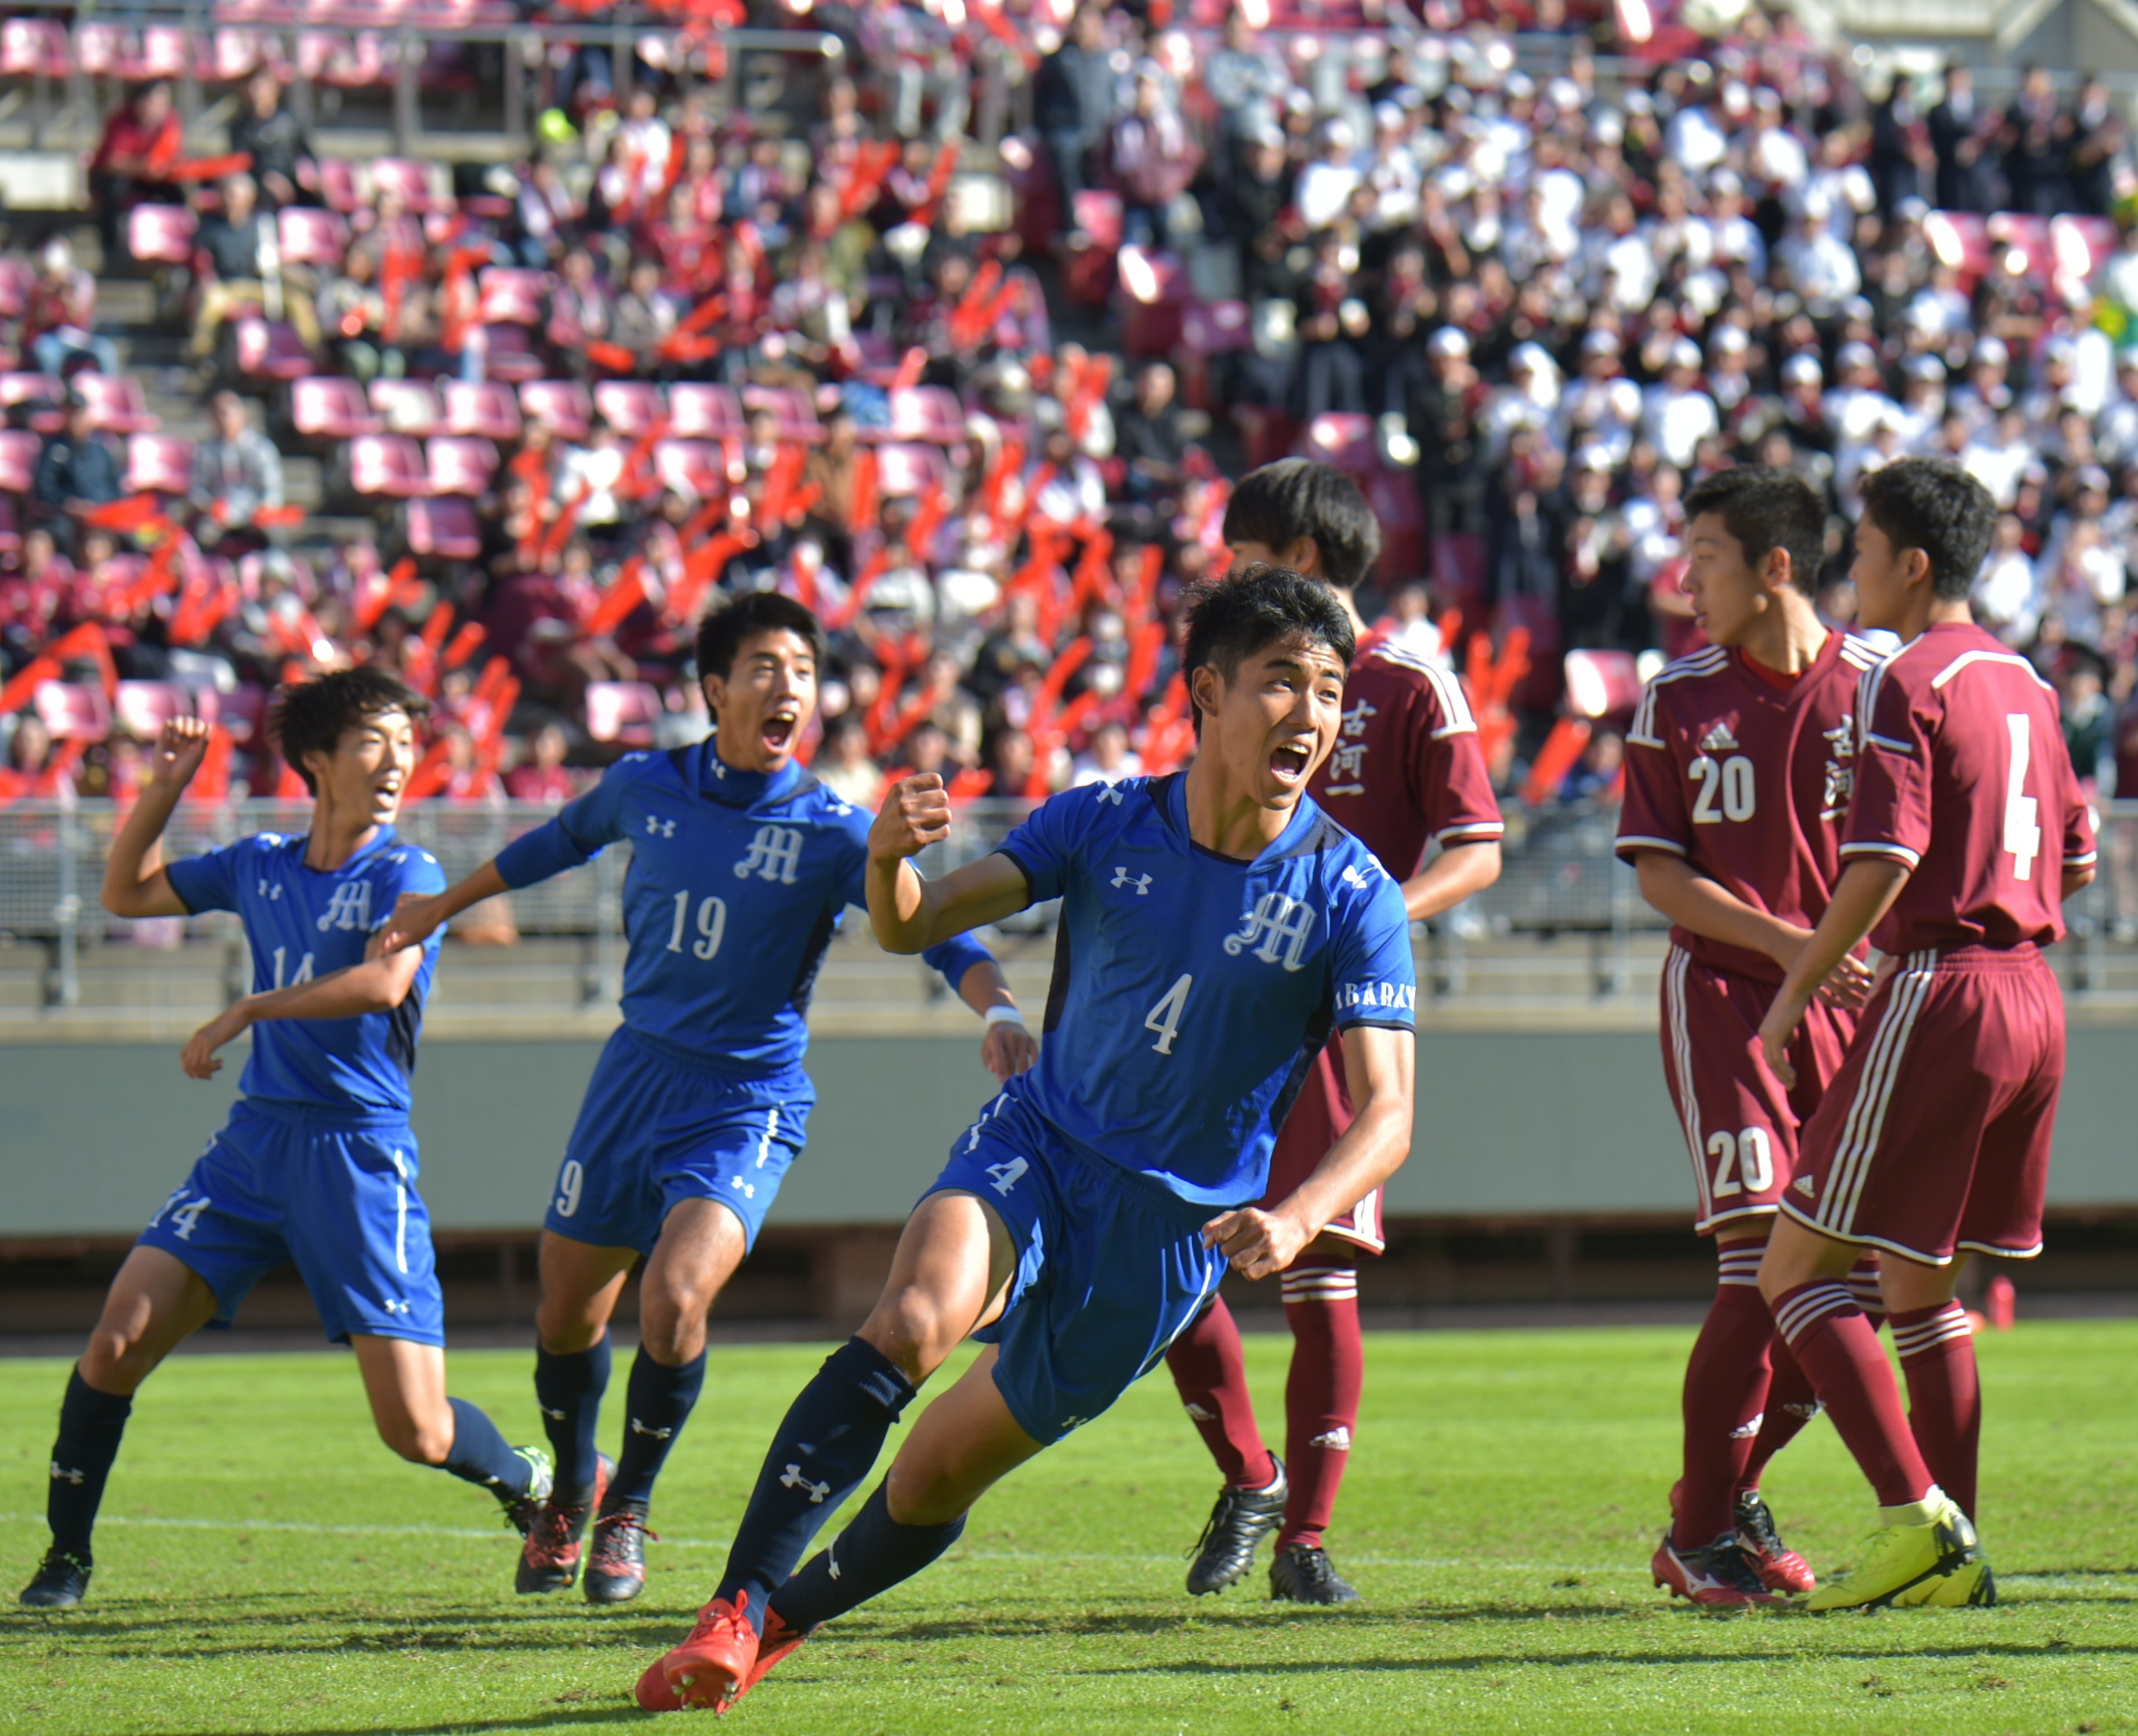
{"x": 1726, "y": 1384}
{"x": 1791, "y": 1403}
{"x": 1211, "y": 1377}
{"x": 1321, "y": 1394}
{"x": 1837, "y": 1347}
{"x": 1944, "y": 1394}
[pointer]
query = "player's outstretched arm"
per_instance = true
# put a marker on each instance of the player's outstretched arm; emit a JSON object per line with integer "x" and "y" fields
{"x": 1379, "y": 1070}
{"x": 1864, "y": 893}
{"x": 1675, "y": 889}
{"x": 379, "y": 984}
{"x": 418, "y": 915}
{"x": 1456, "y": 873}
{"x": 909, "y": 913}
{"x": 134, "y": 882}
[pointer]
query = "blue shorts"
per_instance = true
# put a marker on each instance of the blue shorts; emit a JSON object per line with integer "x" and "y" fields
{"x": 332, "y": 1191}
{"x": 1111, "y": 1268}
{"x": 656, "y": 1129}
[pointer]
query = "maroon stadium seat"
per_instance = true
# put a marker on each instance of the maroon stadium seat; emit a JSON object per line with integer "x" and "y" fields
{"x": 460, "y": 464}
{"x": 387, "y": 464}
{"x": 447, "y": 529}
{"x": 561, "y": 406}
{"x": 158, "y": 463}
{"x": 621, "y": 711}
{"x": 328, "y": 408}
{"x": 74, "y": 711}
{"x": 482, "y": 408}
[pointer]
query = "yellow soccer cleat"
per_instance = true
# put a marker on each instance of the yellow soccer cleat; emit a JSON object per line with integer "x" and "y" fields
{"x": 1924, "y": 1552}
{"x": 1971, "y": 1585}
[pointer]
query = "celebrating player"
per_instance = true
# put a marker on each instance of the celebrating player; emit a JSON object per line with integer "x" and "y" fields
{"x": 1933, "y": 1139}
{"x": 1405, "y": 771}
{"x": 1737, "y": 776}
{"x": 1215, "y": 924}
{"x": 742, "y": 865}
{"x": 316, "y": 1163}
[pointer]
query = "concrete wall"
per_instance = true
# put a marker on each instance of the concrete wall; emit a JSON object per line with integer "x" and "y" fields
{"x": 93, "y": 1137}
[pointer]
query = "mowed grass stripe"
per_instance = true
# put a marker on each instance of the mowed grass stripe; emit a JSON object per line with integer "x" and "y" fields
{"x": 272, "y": 1568}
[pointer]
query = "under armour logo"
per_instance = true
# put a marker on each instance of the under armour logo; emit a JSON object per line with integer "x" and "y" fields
{"x": 60, "y": 1474}
{"x": 774, "y": 854}
{"x": 1281, "y": 924}
{"x": 832, "y": 1558}
{"x": 1338, "y": 1440}
{"x": 748, "y": 1189}
{"x": 394, "y": 1306}
{"x": 1359, "y": 874}
{"x": 554, "y": 1415}
{"x": 1111, "y": 792}
{"x": 795, "y": 1480}
{"x": 659, "y": 828}
{"x": 1141, "y": 882}
{"x": 639, "y": 1428}
{"x": 349, "y": 909}
{"x": 270, "y": 891}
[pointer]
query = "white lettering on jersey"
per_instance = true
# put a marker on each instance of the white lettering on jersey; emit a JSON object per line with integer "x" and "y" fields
{"x": 1007, "y": 1176}
{"x": 349, "y": 909}
{"x": 1840, "y": 769}
{"x": 1141, "y": 882}
{"x": 1281, "y": 924}
{"x": 656, "y": 828}
{"x": 774, "y": 854}
{"x": 1375, "y": 997}
{"x": 1349, "y": 757}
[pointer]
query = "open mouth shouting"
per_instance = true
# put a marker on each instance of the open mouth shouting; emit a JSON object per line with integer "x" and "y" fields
{"x": 1291, "y": 760}
{"x": 779, "y": 728}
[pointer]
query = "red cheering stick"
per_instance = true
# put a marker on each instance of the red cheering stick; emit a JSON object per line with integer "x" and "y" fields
{"x": 466, "y": 643}
{"x": 1057, "y": 677}
{"x": 938, "y": 184}
{"x": 203, "y": 603}
{"x": 969, "y": 785}
{"x": 1554, "y": 759}
{"x": 1033, "y": 488}
{"x": 875, "y": 161}
{"x": 209, "y": 168}
{"x": 277, "y": 518}
{"x": 550, "y": 545}
{"x": 495, "y": 674}
{"x": 1086, "y": 391}
{"x": 432, "y": 771}
{"x": 701, "y": 571}
{"x": 1451, "y": 631}
{"x": 435, "y": 629}
{"x": 157, "y": 577}
{"x": 1091, "y": 572}
{"x": 125, "y": 517}
{"x": 26, "y": 681}
{"x": 611, "y": 358}
{"x": 862, "y": 514}
{"x": 1008, "y": 462}
{"x": 972, "y": 316}
{"x": 873, "y": 569}
{"x": 1143, "y": 659}
{"x": 910, "y": 367}
{"x": 619, "y": 600}
{"x": 927, "y": 520}
{"x": 383, "y": 591}
{"x": 210, "y": 783}
{"x": 780, "y": 482}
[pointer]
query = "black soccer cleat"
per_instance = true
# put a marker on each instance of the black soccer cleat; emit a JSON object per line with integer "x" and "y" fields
{"x": 1242, "y": 1519}
{"x": 522, "y": 1509}
{"x": 616, "y": 1558}
{"x": 549, "y": 1559}
{"x": 61, "y": 1582}
{"x": 1303, "y": 1573}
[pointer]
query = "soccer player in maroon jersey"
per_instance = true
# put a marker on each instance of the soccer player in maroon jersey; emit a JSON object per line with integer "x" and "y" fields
{"x": 1738, "y": 769}
{"x": 1966, "y": 833}
{"x": 1406, "y": 772}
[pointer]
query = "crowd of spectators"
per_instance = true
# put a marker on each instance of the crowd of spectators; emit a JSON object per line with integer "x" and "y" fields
{"x": 1540, "y": 296}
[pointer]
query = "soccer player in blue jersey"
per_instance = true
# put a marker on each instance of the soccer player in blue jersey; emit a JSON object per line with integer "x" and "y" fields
{"x": 742, "y": 864}
{"x": 316, "y": 1164}
{"x": 1215, "y": 925}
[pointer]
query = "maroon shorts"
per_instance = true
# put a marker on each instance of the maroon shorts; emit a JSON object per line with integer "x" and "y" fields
{"x": 1741, "y": 1126}
{"x": 1319, "y": 1117}
{"x": 1935, "y": 1134}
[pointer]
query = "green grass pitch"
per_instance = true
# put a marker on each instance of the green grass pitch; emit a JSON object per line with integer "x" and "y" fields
{"x": 266, "y": 1565}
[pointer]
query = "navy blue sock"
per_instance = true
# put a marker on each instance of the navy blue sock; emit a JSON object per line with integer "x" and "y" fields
{"x": 827, "y": 1443}
{"x": 92, "y": 1426}
{"x": 656, "y": 1406}
{"x": 871, "y": 1556}
{"x": 569, "y": 1388}
{"x": 480, "y": 1454}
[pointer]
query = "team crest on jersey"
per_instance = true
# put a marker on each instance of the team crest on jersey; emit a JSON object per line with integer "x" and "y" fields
{"x": 774, "y": 854}
{"x": 1281, "y": 924}
{"x": 1719, "y": 739}
{"x": 351, "y": 909}
{"x": 1840, "y": 769}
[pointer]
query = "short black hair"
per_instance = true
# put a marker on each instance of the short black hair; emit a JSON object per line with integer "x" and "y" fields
{"x": 309, "y": 717}
{"x": 1765, "y": 508}
{"x": 1294, "y": 497}
{"x": 1243, "y": 614}
{"x": 725, "y": 627}
{"x": 1934, "y": 505}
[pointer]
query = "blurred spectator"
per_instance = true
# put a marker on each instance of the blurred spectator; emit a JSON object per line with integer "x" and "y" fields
{"x": 238, "y": 244}
{"x": 1959, "y": 132}
{"x": 543, "y": 778}
{"x": 1073, "y": 100}
{"x": 274, "y": 138}
{"x": 78, "y": 471}
{"x": 1151, "y": 158}
{"x": 842, "y": 764}
{"x": 133, "y": 161}
{"x": 236, "y": 470}
{"x": 59, "y": 324}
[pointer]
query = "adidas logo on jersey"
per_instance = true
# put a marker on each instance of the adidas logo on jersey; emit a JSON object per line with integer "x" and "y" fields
{"x": 1719, "y": 739}
{"x": 1748, "y": 1431}
{"x": 1338, "y": 1440}
{"x": 1806, "y": 1185}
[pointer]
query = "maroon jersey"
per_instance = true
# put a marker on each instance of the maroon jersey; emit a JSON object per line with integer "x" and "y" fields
{"x": 1961, "y": 774}
{"x": 1407, "y": 770}
{"x": 1748, "y": 781}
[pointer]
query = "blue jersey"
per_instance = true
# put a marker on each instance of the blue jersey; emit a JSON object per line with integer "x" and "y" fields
{"x": 737, "y": 883}
{"x": 1191, "y": 991}
{"x": 302, "y": 923}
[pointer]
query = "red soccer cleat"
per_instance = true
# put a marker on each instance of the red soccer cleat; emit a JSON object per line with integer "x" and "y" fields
{"x": 1718, "y": 1577}
{"x": 712, "y": 1665}
{"x": 549, "y": 1557}
{"x": 654, "y": 1693}
{"x": 779, "y": 1642}
{"x": 1780, "y": 1569}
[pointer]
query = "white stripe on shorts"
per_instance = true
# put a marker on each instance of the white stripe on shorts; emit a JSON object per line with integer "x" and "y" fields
{"x": 1874, "y": 1094}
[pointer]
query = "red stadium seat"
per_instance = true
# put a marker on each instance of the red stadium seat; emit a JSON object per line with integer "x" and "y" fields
{"x": 158, "y": 463}
{"x": 632, "y": 407}
{"x": 43, "y": 390}
{"x": 409, "y": 407}
{"x": 115, "y": 402}
{"x": 1602, "y": 684}
{"x": 1155, "y": 294}
{"x": 34, "y": 48}
{"x": 1209, "y": 328}
{"x": 161, "y": 235}
{"x": 327, "y": 407}
{"x": 1088, "y": 277}
{"x": 621, "y": 711}
{"x": 1345, "y": 441}
{"x": 387, "y": 464}
{"x": 509, "y": 354}
{"x": 447, "y": 528}
{"x": 74, "y": 711}
{"x": 482, "y": 408}
{"x": 704, "y": 412}
{"x": 230, "y": 55}
{"x": 349, "y": 63}
{"x": 513, "y": 296}
{"x": 694, "y": 469}
{"x": 166, "y": 52}
{"x": 561, "y": 405}
{"x": 271, "y": 349}
{"x": 338, "y": 183}
{"x": 16, "y": 279}
{"x": 144, "y": 707}
{"x": 460, "y": 465}
{"x": 310, "y": 236}
{"x": 18, "y": 461}
{"x": 790, "y": 406}
{"x": 909, "y": 470}
{"x": 929, "y": 413}
{"x": 413, "y": 181}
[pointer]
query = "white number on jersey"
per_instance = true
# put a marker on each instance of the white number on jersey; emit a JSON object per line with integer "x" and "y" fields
{"x": 1747, "y": 1154}
{"x": 1165, "y": 1018}
{"x": 1731, "y": 779}
{"x": 2022, "y": 830}
{"x": 712, "y": 926}
{"x": 570, "y": 1180}
{"x": 304, "y": 967}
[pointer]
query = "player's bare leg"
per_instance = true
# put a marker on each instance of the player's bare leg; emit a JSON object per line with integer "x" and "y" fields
{"x": 405, "y": 1381}
{"x": 950, "y": 1274}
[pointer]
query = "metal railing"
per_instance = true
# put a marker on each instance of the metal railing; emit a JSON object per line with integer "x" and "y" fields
{"x": 1566, "y": 923}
